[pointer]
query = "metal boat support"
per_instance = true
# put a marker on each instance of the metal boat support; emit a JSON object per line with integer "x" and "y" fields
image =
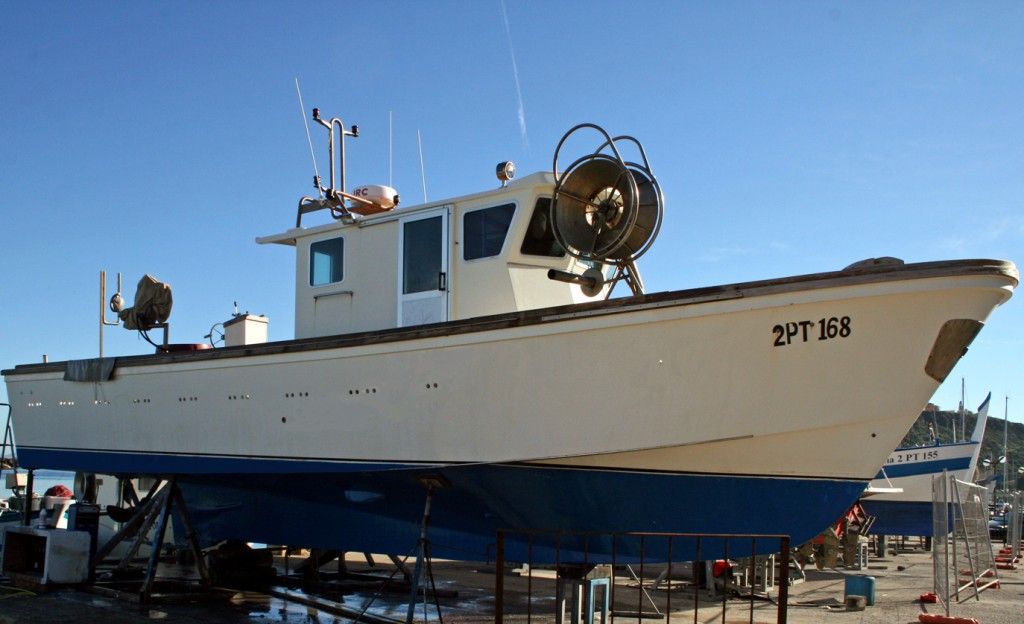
{"x": 162, "y": 497}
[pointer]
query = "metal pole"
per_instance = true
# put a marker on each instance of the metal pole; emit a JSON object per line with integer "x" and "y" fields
{"x": 103, "y": 310}
{"x": 783, "y": 579}
{"x": 945, "y": 527}
{"x": 725, "y": 577}
{"x": 1006, "y": 427}
{"x": 158, "y": 541}
{"x": 8, "y": 434}
{"x": 668, "y": 588}
{"x": 499, "y": 579}
{"x": 192, "y": 538}
{"x": 420, "y": 555}
{"x": 26, "y": 505}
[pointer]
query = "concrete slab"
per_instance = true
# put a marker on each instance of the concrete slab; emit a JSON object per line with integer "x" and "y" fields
{"x": 900, "y": 579}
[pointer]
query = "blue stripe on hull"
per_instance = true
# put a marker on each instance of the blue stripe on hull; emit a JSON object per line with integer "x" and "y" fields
{"x": 381, "y": 512}
{"x": 899, "y": 517}
{"x": 358, "y": 508}
{"x": 930, "y": 467}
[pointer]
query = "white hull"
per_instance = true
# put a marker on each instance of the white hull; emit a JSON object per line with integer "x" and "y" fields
{"x": 911, "y": 470}
{"x": 924, "y": 463}
{"x": 694, "y": 382}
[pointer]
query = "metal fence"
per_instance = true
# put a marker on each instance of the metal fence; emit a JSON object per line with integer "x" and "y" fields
{"x": 1013, "y": 524}
{"x": 637, "y": 576}
{"x": 963, "y": 564}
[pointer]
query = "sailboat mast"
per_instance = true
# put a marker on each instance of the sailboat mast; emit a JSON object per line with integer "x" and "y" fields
{"x": 963, "y": 409}
{"x": 1006, "y": 428}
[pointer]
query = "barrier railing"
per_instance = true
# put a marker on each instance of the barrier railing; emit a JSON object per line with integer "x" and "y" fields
{"x": 592, "y": 570}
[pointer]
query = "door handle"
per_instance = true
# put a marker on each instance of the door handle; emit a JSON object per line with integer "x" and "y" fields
{"x": 442, "y": 281}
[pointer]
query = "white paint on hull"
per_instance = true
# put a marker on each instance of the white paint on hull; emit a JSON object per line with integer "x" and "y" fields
{"x": 685, "y": 387}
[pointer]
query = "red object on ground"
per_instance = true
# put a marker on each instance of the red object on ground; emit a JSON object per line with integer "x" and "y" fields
{"x": 929, "y": 597}
{"x": 984, "y": 574}
{"x": 1006, "y": 566}
{"x": 720, "y": 568}
{"x": 935, "y": 618}
{"x": 59, "y": 491}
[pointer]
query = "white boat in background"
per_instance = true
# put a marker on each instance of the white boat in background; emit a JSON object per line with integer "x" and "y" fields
{"x": 470, "y": 341}
{"x": 909, "y": 471}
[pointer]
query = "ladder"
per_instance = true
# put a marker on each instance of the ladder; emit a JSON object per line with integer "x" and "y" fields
{"x": 5, "y": 461}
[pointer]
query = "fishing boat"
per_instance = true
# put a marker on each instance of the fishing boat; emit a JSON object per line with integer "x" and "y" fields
{"x": 900, "y": 496}
{"x": 470, "y": 347}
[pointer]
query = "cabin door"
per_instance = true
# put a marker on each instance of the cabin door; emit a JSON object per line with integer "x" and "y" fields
{"x": 423, "y": 256}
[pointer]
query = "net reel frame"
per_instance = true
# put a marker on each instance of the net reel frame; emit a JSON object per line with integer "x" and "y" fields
{"x": 628, "y": 191}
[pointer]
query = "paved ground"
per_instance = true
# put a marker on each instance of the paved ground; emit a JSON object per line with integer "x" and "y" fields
{"x": 900, "y": 579}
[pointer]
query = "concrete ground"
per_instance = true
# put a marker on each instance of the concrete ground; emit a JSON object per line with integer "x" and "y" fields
{"x": 468, "y": 591}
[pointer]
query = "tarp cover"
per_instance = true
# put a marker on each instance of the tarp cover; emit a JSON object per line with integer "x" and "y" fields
{"x": 97, "y": 369}
{"x": 152, "y": 305}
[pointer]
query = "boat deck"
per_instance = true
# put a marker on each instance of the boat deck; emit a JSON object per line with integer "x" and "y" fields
{"x": 859, "y": 273}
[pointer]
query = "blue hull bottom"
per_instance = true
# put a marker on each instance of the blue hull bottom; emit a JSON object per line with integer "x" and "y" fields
{"x": 378, "y": 508}
{"x": 900, "y": 517}
{"x": 381, "y": 512}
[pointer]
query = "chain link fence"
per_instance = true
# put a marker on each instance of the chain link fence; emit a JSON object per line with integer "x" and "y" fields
{"x": 963, "y": 564}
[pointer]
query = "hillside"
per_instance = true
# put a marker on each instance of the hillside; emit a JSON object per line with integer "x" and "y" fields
{"x": 992, "y": 444}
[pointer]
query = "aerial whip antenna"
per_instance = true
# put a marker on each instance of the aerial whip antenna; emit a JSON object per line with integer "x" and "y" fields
{"x": 309, "y": 138}
{"x": 423, "y": 175}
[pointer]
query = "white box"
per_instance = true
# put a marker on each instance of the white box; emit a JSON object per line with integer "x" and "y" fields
{"x": 16, "y": 480}
{"x": 245, "y": 329}
{"x": 65, "y": 555}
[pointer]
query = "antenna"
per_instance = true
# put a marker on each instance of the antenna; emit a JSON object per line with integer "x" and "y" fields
{"x": 423, "y": 176}
{"x": 309, "y": 139}
{"x": 390, "y": 140}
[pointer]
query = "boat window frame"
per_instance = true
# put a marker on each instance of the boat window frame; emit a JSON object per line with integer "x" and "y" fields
{"x": 504, "y": 242}
{"x": 526, "y": 231}
{"x": 312, "y": 256}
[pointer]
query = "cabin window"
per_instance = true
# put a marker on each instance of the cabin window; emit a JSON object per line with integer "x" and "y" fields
{"x": 540, "y": 239}
{"x": 484, "y": 231}
{"x": 326, "y": 261}
{"x": 422, "y": 255}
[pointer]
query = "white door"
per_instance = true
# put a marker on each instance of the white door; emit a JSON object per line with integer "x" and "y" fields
{"x": 423, "y": 257}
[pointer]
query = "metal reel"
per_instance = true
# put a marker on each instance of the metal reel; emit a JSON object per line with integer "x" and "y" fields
{"x": 606, "y": 209}
{"x": 594, "y": 207}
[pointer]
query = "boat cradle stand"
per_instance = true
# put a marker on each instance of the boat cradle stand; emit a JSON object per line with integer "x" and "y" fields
{"x": 155, "y": 508}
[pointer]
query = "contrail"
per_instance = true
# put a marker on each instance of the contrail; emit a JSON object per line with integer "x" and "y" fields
{"x": 515, "y": 74}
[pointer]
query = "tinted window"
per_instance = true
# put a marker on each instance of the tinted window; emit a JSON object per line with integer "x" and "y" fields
{"x": 539, "y": 239}
{"x": 326, "y": 261}
{"x": 483, "y": 231}
{"x": 421, "y": 255}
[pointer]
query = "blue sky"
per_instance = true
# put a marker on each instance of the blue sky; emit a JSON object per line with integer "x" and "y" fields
{"x": 789, "y": 138}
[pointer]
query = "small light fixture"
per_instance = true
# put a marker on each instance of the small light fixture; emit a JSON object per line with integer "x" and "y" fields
{"x": 505, "y": 171}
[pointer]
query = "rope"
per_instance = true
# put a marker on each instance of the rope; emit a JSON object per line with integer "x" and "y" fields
{"x": 17, "y": 592}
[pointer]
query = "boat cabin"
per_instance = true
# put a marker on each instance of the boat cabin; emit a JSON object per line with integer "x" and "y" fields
{"x": 480, "y": 254}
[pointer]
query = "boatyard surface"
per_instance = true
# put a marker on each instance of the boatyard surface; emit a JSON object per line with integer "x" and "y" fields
{"x": 468, "y": 596}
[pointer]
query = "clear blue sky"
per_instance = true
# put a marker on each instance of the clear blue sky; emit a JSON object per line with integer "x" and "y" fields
{"x": 789, "y": 138}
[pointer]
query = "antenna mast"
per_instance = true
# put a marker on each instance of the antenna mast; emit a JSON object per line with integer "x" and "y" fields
{"x": 423, "y": 175}
{"x": 309, "y": 138}
{"x": 1006, "y": 430}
